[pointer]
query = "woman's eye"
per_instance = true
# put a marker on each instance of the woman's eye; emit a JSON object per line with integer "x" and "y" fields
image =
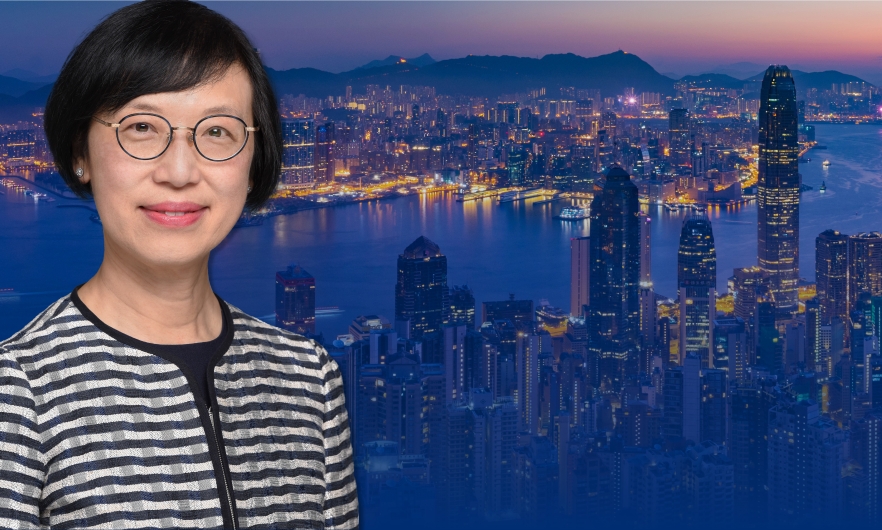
{"x": 216, "y": 132}
{"x": 142, "y": 127}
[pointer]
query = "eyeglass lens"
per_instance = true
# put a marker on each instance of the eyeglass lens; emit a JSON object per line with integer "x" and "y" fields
{"x": 146, "y": 136}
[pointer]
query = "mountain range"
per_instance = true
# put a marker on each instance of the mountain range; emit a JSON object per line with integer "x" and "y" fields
{"x": 487, "y": 76}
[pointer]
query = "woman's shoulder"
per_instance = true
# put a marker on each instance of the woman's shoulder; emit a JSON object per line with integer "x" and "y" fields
{"x": 57, "y": 325}
{"x": 252, "y": 329}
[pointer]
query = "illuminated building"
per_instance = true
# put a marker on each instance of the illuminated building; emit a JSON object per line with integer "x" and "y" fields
{"x": 730, "y": 347}
{"x": 517, "y": 167}
{"x": 864, "y": 266}
{"x": 749, "y": 286}
{"x": 421, "y": 293}
{"x": 325, "y": 142}
{"x": 519, "y": 312}
{"x": 298, "y": 151}
{"x": 295, "y": 300}
{"x": 580, "y": 270}
{"x": 831, "y": 272}
{"x": 697, "y": 280}
{"x": 614, "y": 309}
{"x": 462, "y": 305}
{"x": 714, "y": 407}
{"x": 648, "y": 310}
{"x": 679, "y": 137}
{"x": 778, "y": 188}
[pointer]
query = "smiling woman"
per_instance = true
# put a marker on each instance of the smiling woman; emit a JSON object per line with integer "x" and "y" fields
{"x": 142, "y": 398}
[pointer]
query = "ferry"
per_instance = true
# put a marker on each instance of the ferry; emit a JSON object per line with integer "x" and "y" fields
{"x": 823, "y": 187}
{"x": 572, "y": 214}
{"x": 516, "y": 195}
{"x": 826, "y": 163}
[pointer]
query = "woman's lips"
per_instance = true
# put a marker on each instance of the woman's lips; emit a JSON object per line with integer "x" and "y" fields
{"x": 174, "y": 214}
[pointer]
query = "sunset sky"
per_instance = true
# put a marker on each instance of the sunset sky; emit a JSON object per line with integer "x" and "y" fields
{"x": 675, "y": 37}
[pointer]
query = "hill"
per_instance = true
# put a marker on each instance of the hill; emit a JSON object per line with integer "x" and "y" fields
{"x": 488, "y": 75}
{"x": 713, "y": 81}
{"x": 423, "y": 60}
{"x": 819, "y": 80}
{"x": 12, "y": 86}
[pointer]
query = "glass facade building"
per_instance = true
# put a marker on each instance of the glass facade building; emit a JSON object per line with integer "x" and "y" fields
{"x": 778, "y": 187}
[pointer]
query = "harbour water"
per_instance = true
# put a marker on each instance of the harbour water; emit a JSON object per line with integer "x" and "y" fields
{"x": 516, "y": 248}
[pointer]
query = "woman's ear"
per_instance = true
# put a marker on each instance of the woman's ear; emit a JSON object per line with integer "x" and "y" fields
{"x": 80, "y": 171}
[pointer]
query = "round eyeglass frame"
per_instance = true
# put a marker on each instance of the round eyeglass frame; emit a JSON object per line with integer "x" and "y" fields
{"x": 171, "y": 136}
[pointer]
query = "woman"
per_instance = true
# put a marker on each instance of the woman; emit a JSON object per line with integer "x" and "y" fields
{"x": 142, "y": 400}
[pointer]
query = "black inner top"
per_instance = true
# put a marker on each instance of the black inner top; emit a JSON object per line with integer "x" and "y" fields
{"x": 193, "y": 359}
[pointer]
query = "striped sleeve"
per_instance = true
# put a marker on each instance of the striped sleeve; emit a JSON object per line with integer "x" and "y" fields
{"x": 22, "y": 463}
{"x": 340, "y": 501}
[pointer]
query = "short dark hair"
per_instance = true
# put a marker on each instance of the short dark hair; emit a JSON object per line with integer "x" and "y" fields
{"x": 151, "y": 47}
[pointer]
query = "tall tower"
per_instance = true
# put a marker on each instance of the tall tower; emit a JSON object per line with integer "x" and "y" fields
{"x": 614, "y": 309}
{"x": 324, "y": 153}
{"x": 295, "y": 300}
{"x": 421, "y": 294}
{"x": 831, "y": 272}
{"x": 864, "y": 267}
{"x": 778, "y": 188}
{"x": 580, "y": 272}
{"x": 298, "y": 151}
{"x": 697, "y": 282}
{"x": 679, "y": 137}
{"x": 648, "y": 312}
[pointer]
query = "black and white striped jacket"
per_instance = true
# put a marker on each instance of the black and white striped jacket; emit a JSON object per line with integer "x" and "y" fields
{"x": 95, "y": 433}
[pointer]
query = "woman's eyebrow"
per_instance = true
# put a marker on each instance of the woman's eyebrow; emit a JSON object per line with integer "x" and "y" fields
{"x": 219, "y": 109}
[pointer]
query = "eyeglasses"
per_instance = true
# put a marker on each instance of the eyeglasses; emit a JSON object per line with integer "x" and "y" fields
{"x": 146, "y": 136}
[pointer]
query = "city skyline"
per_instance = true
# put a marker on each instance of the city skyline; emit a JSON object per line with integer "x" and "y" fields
{"x": 574, "y": 299}
{"x": 340, "y": 36}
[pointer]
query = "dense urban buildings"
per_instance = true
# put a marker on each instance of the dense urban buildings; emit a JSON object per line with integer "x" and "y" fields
{"x": 628, "y": 404}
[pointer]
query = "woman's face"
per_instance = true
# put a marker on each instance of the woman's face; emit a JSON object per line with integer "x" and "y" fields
{"x": 172, "y": 210}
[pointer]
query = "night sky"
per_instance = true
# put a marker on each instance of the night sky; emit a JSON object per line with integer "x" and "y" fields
{"x": 675, "y": 37}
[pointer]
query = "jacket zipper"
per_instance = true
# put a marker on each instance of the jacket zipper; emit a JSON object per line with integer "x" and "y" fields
{"x": 222, "y": 471}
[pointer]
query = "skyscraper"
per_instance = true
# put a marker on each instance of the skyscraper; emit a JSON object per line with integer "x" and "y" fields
{"x": 749, "y": 286}
{"x": 298, "y": 155}
{"x": 865, "y": 266}
{"x": 648, "y": 310}
{"x": 517, "y": 167}
{"x": 778, "y": 187}
{"x": 295, "y": 300}
{"x": 697, "y": 280}
{"x": 421, "y": 293}
{"x": 679, "y": 137}
{"x": 831, "y": 272}
{"x": 462, "y": 305}
{"x": 324, "y": 152}
{"x": 614, "y": 309}
{"x": 580, "y": 252}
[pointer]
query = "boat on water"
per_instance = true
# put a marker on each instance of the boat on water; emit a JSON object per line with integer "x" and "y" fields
{"x": 823, "y": 187}
{"x": 826, "y": 163}
{"x": 572, "y": 214}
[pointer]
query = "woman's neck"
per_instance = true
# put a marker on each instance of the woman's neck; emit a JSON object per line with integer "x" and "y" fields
{"x": 168, "y": 305}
